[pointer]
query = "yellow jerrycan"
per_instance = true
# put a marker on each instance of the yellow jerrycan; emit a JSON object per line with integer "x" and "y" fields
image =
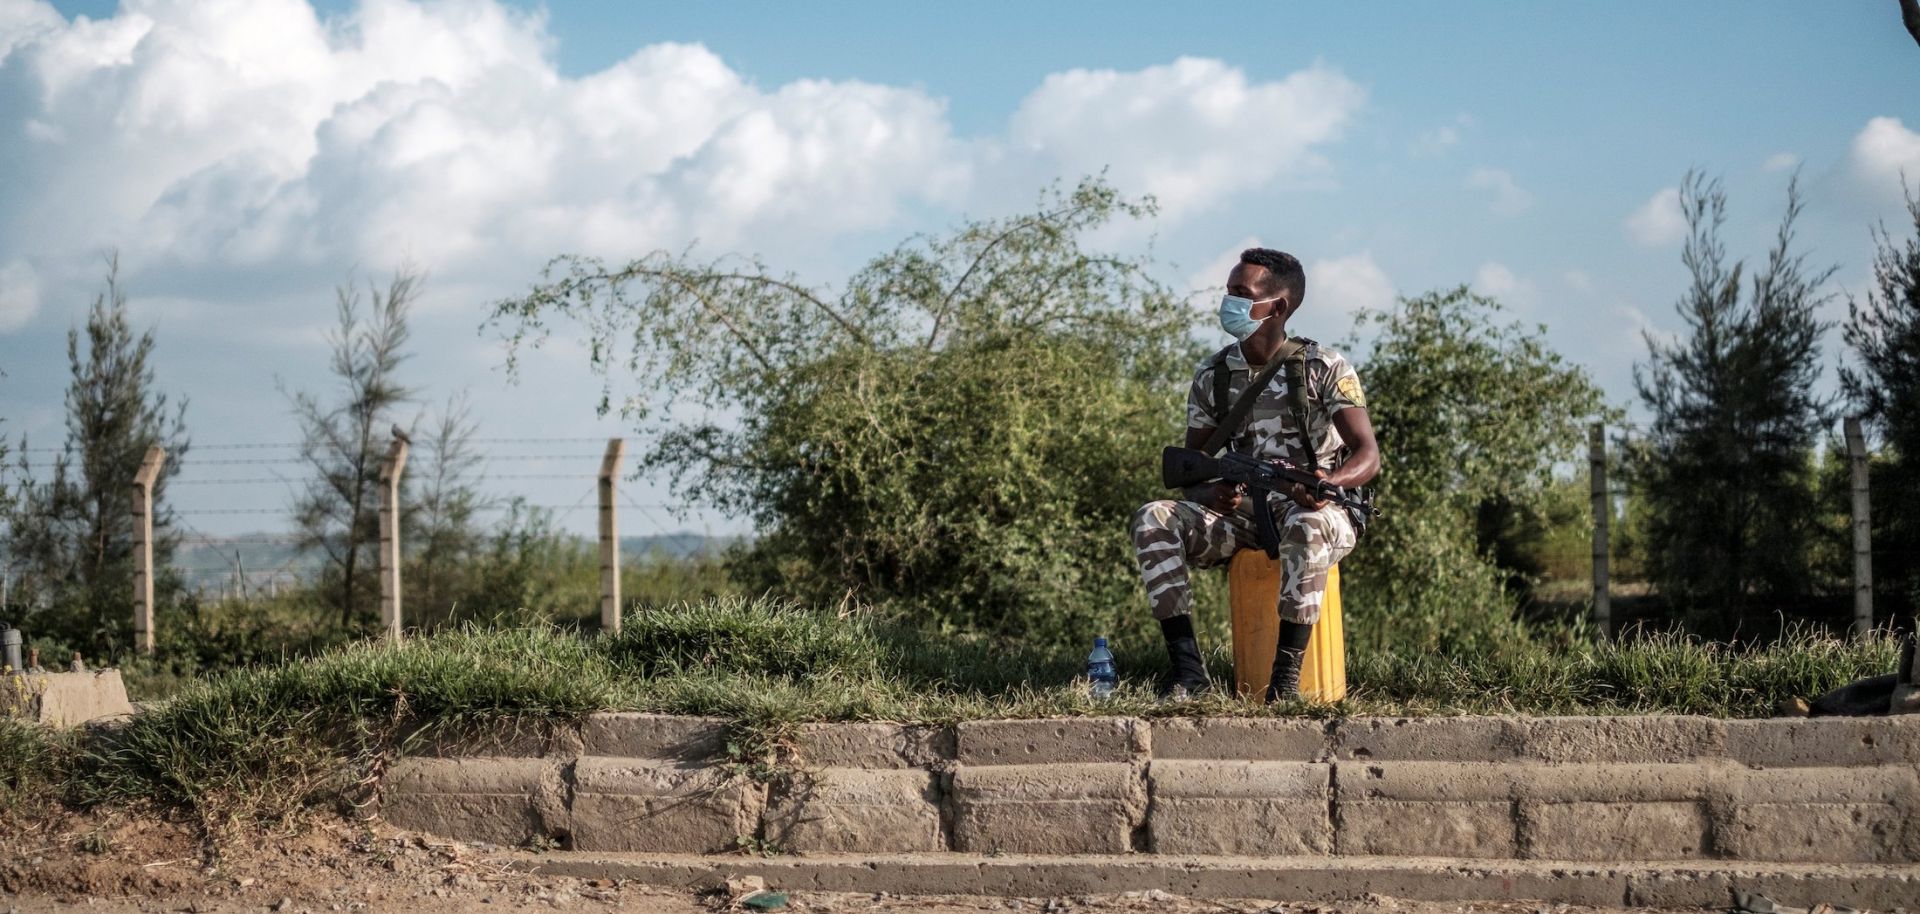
{"x": 1253, "y": 583}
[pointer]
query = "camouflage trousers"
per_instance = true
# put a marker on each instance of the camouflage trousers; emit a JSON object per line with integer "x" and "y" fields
{"x": 1171, "y": 536}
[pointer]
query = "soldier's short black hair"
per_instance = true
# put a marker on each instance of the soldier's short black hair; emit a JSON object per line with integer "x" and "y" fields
{"x": 1283, "y": 268}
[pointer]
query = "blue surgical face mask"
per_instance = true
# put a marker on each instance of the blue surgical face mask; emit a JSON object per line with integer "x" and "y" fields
{"x": 1236, "y": 316}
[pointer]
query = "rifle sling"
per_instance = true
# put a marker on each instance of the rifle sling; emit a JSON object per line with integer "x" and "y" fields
{"x": 1243, "y": 405}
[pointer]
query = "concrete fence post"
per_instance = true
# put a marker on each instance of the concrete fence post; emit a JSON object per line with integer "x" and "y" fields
{"x": 1602, "y": 512}
{"x": 1862, "y": 530}
{"x": 610, "y": 537}
{"x": 387, "y": 565}
{"x": 143, "y": 481}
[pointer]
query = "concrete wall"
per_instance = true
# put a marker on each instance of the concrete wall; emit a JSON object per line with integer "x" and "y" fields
{"x": 63, "y": 699}
{"x": 1554, "y": 789}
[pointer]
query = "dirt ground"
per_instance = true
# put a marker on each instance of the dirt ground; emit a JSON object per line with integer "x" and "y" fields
{"x": 120, "y": 865}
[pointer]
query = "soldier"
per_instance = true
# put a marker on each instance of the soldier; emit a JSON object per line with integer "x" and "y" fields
{"x": 1327, "y": 430}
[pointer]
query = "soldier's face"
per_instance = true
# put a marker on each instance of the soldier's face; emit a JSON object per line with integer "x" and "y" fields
{"x": 1252, "y": 282}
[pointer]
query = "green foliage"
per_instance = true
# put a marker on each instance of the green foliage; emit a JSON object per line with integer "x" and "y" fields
{"x": 1667, "y": 673}
{"x": 529, "y": 571}
{"x": 1885, "y": 333}
{"x": 964, "y": 428}
{"x": 345, "y": 442}
{"x": 36, "y": 766}
{"x": 1472, "y": 416}
{"x": 1727, "y": 464}
{"x": 443, "y": 535}
{"x": 69, "y": 540}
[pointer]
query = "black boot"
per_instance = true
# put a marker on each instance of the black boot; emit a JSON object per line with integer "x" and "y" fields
{"x": 1288, "y": 653}
{"x": 1183, "y": 651}
{"x": 1189, "y": 669}
{"x": 1285, "y": 683}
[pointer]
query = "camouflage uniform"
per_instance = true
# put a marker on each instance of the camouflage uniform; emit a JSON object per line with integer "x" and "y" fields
{"x": 1169, "y": 535}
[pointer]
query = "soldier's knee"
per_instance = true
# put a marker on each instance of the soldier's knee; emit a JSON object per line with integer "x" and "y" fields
{"x": 1154, "y": 515}
{"x": 1305, "y": 529}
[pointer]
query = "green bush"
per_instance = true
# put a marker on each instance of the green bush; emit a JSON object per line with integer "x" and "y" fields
{"x": 1470, "y": 413}
{"x": 962, "y": 431}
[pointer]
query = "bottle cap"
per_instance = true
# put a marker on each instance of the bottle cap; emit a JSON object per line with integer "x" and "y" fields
{"x": 1100, "y": 642}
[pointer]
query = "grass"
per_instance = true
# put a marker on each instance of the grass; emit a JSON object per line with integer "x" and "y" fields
{"x": 267, "y": 742}
{"x": 36, "y": 766}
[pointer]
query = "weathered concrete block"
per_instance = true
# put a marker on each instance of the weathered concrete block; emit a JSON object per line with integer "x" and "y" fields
{"x": 499, "y": 800}
{"x": 1620, "y": 783}
{"x": 624, "y": 804}
{"x": 1428, "y": 781}
{"x": 1255, "y": 809}
{"x": 654, "y": 736}
{"x": 1820, "y": 815}
{"x": 1047, "y": 809}
{"x": 855, "y": 810}
{"x": 1421, "y": 828}
{"x": 1808, "y": 887}
{"x": 1425, "y": 809}
{"x": 63, "y": 699}
{"x": 1679, "y": 888}
{"x": 1624, "y": 739}
{"x": 1879, "y": 784}
{"x": 1437, "y": 739}
{"x": 1823, "y": 742}
{"x": 1816, "y": 833}
{"x": 1248, "y": 738}
{"x": 1035, "y": 742}
{"x": 874, "y": 745}
{"x": 1614, "y": 831}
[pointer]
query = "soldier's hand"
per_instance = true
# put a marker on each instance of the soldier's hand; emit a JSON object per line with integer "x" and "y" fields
{"x": 1307, "y": 499}
{"x": 1223, "y": 497}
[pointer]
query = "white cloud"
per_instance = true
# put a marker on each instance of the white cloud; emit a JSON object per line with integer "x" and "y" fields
{"x": 255, "y": 138}
{"x": 1497, "y": 280}
{"x": 225, "y": 134}
{"x": 1189, "y": 132}
{"x": 1659, "y": 220}
{"x": 1210, "y": 281}
{"x": 1883, "y": 151}
{"x": 1345, "y": 285}
{"x": 23, "y": 19}
{"x": 1780, "y": 161}
{"x": 1507, "y": 197}
{"x": 1579, "y": 280}
{"x": 19, "y": 294}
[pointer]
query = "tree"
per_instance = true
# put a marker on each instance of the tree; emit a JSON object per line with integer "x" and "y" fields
{"x": 1727, "y": 463}
{"x": 1472, "y": 416}
{"x": 443, "y": 531}
{"x": 1884, "y": 332}
{"x": 963, "y": 429}
{"x": 71, "y": 537}
{"x": 345, "y": 441}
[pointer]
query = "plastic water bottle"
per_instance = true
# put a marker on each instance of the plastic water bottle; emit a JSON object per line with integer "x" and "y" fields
{"x": 1100, "y": 673}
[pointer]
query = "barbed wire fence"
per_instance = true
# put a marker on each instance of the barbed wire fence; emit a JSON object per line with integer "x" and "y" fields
{"x": 230, "y": 480}
{"x": 1609, "y": 495}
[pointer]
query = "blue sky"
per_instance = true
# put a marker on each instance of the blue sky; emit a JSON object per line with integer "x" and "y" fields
{"x": 246, "y": 157}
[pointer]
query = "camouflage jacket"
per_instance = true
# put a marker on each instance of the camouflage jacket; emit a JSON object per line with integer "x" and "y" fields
{"x": 1270, "y": 430}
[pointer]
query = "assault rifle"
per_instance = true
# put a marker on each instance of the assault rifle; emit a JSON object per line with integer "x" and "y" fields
{"x": 1181, "y": 467}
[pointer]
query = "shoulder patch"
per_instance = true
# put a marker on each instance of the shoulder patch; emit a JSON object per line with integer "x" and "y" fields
{"x": 1349, "y": 388}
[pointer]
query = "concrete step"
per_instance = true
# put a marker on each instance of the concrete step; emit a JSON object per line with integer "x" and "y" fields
{"x": 1670, "y": 885}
